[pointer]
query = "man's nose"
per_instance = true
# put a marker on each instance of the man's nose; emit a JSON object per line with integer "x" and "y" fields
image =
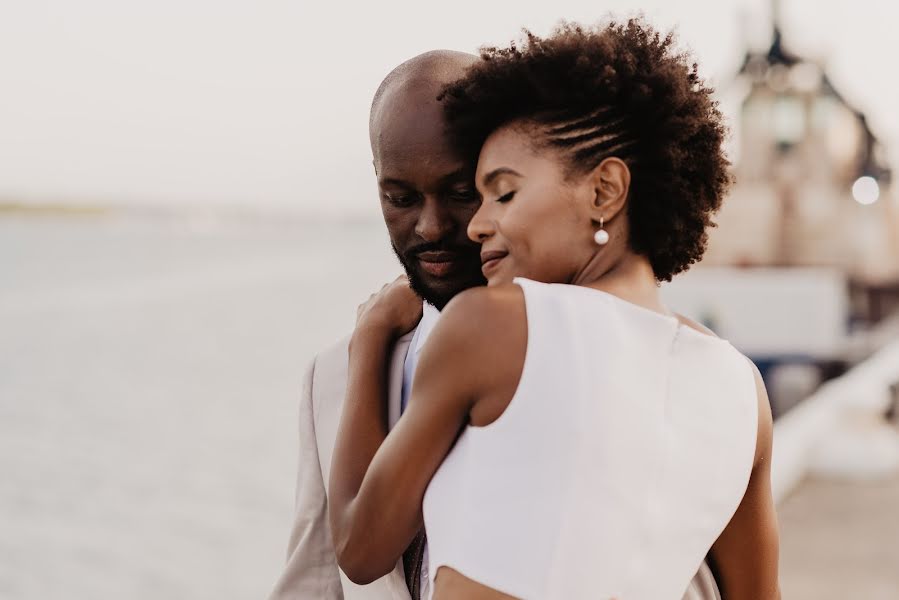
{"x": 435, "y": 221}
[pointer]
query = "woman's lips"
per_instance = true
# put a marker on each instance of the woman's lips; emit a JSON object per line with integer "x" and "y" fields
{"x": 490, "y": 260}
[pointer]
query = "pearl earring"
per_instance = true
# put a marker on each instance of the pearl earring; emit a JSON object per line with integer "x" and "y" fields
{"x": 601, "y": 237}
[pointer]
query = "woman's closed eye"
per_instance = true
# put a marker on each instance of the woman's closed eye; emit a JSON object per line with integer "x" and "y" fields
{"x": 505, "y": 197}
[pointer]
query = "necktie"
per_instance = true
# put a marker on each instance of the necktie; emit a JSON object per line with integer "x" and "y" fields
{"x": 412, "y": 559}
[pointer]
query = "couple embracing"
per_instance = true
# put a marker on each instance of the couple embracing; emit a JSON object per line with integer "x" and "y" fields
{"x": 557, "y": 433}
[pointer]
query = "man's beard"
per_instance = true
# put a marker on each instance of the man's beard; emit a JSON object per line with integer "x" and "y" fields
{"x": 469, "y": 273}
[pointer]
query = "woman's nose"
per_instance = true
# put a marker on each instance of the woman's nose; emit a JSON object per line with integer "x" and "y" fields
{"x": 481, "y": 226}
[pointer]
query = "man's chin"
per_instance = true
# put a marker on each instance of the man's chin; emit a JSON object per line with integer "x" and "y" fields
{"x": 436, "y": 291}
{"x": 440, "y": 290}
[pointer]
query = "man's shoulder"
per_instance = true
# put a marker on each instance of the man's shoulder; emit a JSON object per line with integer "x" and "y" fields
{"x": 335, "y": 353}
{"x": 329, "y": 373}
{"x": 330, "y": 363}
{"x": 325, "y": 396}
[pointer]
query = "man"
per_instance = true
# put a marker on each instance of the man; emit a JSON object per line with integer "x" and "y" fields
{"x": 427, "y": 198}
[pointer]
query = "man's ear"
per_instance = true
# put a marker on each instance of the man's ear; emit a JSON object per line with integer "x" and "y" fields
{"x": 611, "y": 182}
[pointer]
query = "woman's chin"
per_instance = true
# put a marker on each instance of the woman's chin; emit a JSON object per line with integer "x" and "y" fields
{"x": 502, "y": 271}
{"x": 499, "y": 279}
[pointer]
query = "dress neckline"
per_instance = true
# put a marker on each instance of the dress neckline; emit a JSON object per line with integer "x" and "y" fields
{"x": 639, "y": 308}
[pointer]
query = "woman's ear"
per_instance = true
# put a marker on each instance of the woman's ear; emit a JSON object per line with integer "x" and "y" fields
{"x": 611, "y": 181}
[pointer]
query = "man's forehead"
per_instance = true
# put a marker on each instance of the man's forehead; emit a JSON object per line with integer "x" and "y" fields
{"x": 413, "y": 138}
{"x": 409, "y": 114}
{"x": 417, "y": 142}
{"x": 425, "y": 174}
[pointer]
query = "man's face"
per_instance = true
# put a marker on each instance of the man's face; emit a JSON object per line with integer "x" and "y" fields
{"x": 427, "y": 197}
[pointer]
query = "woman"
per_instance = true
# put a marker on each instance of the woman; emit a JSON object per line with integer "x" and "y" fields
{"x": 567, "y": 436}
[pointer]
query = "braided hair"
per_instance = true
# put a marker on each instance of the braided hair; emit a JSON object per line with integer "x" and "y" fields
{"x": 617, "y": 89}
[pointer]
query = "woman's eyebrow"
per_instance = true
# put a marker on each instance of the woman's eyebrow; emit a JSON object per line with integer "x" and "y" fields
{"x": 490, "y": 177}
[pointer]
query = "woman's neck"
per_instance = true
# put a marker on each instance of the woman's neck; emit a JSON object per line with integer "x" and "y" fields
{"x": 630, "y": 278}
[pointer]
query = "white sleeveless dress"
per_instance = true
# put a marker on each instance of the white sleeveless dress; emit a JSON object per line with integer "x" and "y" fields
{"x": 623, "y": 454}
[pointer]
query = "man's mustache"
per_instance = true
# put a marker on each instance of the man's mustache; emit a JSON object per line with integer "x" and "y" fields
{"x": 413, "y": 252}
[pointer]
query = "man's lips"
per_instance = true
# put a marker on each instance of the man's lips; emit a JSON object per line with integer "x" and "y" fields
{"x": 438, "y": 263}
{"x": 490, "y": 259}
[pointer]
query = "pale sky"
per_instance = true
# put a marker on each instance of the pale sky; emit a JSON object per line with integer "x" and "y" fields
{"x": 264, "y": 103}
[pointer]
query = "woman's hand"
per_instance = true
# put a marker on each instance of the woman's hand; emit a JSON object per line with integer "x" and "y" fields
{"x": 396, "y": 309}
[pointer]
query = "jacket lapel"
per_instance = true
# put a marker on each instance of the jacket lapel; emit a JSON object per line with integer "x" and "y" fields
{"x": 328, "y": 397}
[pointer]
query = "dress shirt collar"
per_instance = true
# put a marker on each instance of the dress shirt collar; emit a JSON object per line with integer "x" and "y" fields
{"x": 429, "y": 317}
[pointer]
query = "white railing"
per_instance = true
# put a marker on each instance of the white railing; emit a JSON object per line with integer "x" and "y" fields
{"x": 840, "y": 429}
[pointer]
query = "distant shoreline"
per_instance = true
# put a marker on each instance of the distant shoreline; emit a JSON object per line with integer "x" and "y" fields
{"x": 54, "y": 209}
{"x": 164, "y": 212}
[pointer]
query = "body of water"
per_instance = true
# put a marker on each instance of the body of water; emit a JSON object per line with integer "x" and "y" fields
{"x": 149, "y": 378}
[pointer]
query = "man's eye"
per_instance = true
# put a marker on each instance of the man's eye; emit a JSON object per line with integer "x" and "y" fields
{"x": 401, "y": 199}
{"x": 465, "y": 196}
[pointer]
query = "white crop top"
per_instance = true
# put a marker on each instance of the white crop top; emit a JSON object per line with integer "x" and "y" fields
{"x": 623, "y": 454}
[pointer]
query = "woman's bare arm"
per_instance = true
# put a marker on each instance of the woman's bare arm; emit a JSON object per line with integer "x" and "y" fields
{"x": 378, "y": 480}
{"x": 746, "y": 553}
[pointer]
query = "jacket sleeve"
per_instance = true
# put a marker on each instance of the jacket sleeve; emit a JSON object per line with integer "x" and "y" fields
{"x": 311, "y": 570}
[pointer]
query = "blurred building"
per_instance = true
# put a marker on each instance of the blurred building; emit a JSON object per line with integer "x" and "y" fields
{"x": 813, "y": 185}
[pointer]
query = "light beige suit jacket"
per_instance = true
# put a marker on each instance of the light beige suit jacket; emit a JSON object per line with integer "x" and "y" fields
{"x": 311, "y": 572}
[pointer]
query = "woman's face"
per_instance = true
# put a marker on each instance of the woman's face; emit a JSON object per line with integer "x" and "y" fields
{"x": 533, "y": 222}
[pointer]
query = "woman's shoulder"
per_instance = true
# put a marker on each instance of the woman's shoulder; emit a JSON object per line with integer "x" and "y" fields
{"x": 482, "y": 311}
{"x": 483, "y": 326}
{"x": 756, "y": 388}
{"x": 478, "y": 346}
{"x": 688, "y": 322}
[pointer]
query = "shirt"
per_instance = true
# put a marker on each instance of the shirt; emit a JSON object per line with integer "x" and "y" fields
{"x": 429, "y": 317}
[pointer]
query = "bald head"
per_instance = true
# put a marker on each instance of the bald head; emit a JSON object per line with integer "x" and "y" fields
{"x": 409, "y": 93}
{"x": 426, "y": 188}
